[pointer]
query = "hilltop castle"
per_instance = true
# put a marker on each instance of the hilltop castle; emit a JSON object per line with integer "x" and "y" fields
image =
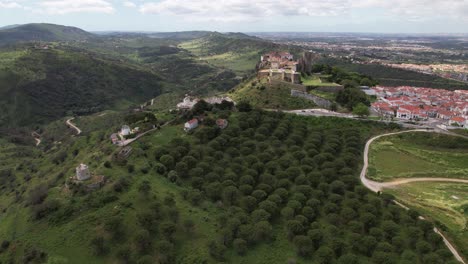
{"x": 282, "y": 66}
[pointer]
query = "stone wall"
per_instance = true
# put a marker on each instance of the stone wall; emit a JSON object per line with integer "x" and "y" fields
{"x": 319, "y": 101}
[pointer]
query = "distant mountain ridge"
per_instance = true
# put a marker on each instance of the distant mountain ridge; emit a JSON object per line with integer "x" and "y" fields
{"x": 41, "y": 32}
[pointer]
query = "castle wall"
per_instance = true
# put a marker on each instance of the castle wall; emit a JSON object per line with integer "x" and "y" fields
{"x": 322, "y": 102}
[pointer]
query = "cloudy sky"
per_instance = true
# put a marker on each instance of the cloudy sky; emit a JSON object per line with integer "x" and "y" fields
{"x": 405, "y": 16}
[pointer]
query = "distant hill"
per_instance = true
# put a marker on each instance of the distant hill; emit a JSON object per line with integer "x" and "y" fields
{"x": 41, "y": 32}
{"x": 218, "y": 43}
{"x": 37, "y": 86}
{"x": 9, "y": 26}
{"x": 235, "y": 51}
{"x": 184, "y": 35}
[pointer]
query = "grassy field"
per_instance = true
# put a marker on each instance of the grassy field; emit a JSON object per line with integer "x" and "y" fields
{"x": 239, "y": 62}
{"x": 463, "y": 132}
{"x": 315, "y": 80}
{"x": 416, "y": 155}
{"x": 264, "y": 95}
{"x": 446, "y": 203}
{"x": 327, "y": 95}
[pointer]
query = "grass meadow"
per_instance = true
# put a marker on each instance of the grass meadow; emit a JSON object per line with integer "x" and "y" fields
{"x": 407, "y": 155}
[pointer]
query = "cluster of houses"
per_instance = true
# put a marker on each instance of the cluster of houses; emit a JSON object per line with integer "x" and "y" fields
{"x": 279, "y": 65}
{"x": 412, "y": 103}
{"x": 193, "y": 123}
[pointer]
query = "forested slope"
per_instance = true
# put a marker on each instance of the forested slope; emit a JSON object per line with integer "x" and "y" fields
{"x": 42, "y": 85}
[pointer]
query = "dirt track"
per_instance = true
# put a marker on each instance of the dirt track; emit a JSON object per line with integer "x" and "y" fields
{"x": 70, "y": 124}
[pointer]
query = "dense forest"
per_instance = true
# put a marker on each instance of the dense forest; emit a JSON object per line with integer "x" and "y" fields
{"x": 44, "y": 85}
{"x": 351, "y": 95}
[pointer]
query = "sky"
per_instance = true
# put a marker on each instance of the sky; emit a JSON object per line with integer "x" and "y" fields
{"x": 382, "y": 16}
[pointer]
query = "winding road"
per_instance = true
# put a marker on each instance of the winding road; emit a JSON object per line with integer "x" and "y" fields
{"x": 70, "y": 124}
{"x": 379, "y": 186}
{"x": 37, "y": 138}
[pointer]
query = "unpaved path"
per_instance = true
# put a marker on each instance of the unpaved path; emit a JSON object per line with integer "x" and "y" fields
{"x": 70, "y": 124}
{"x": 410, "y": 180}
{"x": 379, "y": 186}
{"x": 37, "y": 138}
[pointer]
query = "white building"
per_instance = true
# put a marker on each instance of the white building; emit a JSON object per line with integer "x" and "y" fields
{"x": 188, "y": 103}
{"x": 125, "y": 131}
{"x": 82, "y": 172}
{"x": 192, "y": 124}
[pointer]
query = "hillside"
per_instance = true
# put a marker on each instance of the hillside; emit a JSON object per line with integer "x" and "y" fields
{"x": 270, "y": 188}
{"x": 37, "y": 86}
{"x": 41, "y": 32}
{"x": 397, "y": 77}
{"x": 262, "y": 94}
{"x": 181, "y": 36}
{"x": 234, "y": 51}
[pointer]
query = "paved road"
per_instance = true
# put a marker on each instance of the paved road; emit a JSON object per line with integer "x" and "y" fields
{"x": 70, "y": 124}
{"x": 325, "y": 112}
{"x": 379, "y": 186}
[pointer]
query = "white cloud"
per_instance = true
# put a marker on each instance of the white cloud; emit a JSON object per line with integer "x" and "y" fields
{"x": 242, "y": 10}
{"x": 9, "y": 4}
{"x": 420, "y": 9}
{"x": 238, "y": 10}
{"x": 62, "y": 7}
{"x": 129, "y": 4}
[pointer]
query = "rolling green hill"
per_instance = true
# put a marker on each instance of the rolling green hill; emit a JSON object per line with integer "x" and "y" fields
{"x": 270, "y": 188}
{"x": 37, "y": 86}
{"x": 234, "y": 51}
{"x": 42, "y": 32}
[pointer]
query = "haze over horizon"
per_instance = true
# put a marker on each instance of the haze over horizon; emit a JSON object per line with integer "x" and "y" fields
{"x": 372, "y": 16}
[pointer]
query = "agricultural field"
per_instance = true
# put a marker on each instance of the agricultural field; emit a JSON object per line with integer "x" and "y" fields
{"x": 445, "y": 203}
{"x": 260, "y": 93}
{"x": 418, "y": 155}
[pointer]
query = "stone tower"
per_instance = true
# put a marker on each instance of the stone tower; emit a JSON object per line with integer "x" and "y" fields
{"x": 82, "y": 172}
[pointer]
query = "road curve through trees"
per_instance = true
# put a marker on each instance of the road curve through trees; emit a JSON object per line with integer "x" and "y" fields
{"x": 379, "y": 186}
{"x": 70, "y": 124}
